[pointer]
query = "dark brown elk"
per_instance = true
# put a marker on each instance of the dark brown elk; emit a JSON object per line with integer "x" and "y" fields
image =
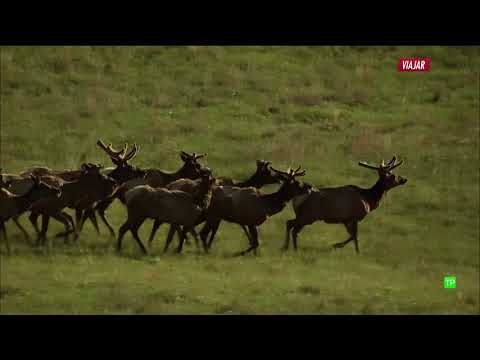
{"x": 174, "y": 207}
{"x": 20, "y": 185}
{"x": 249, "y": 207}
{"x": 128, "y": 176}
{"x": 12, "y": 206}
{"x": 80, "y": 194}
{"x": 262, "y": 176}
{"x": 347, "y": 205}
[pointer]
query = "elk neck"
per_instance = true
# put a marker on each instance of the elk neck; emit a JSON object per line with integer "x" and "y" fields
{"x": 374, "y": 194}
{"x": 276, "y": 201}
{"x": 179, "y": 174}
{"x": 23, "y": 201}
{"x": 253, "y": 181}
{"x": 203, "y": 195}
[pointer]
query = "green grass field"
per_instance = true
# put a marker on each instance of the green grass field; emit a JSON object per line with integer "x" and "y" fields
{"x": 324, "y": 108}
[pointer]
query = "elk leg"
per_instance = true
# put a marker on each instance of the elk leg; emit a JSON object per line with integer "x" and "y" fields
{"x": 68, "y": 230}
{"x": 22, "y": 229}
{"x": 61, "y": 218}
{"x": 195, "y": 237}
{"x": 290, "y": 224}
{"x": 295, "y": 232}
{"x": 43, "y": 232}
{"x": 249, "y": 237}
{"x": 341, "y": 244}
{"x": 214, "y": 229}
{"x": 354, "y": 234}
{"x": 78, "y": 220}
{"x": 182, "y": 234}
{"x": 134, "y": 231}
{"x": 156, "y": 225}
{"x": 121, "y": 233}
{"x": 33, "y": 219}
{"x": 204, "y": 234}
{"x": 171, "y": 232}
{"x": 101, "y": 207}
{"x": 253, "y": 240}
{"x": 89, "y": 214}
{"x": 104, "y": 219}
{"x": 4, "y": 233}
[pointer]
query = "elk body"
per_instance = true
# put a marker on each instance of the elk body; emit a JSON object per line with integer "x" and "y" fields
{"x": 262, "y": 176}
{"x": 249, "y": 207}
{"x": 80, "y": 194}
{"x": 174, "y": 207}
{"x": 347, "y": 205}
{"x": 13, "y": 205}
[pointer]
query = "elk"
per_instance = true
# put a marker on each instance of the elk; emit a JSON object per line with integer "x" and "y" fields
{"x": 122, "y": 173}
{"x": 347, "y": 205}
{"x": 129, "y": 176}
{"x": 20, "y": 185}
{"x": 262, "y": 176}
{"x": 14, "y": 205}
{"x": 175, "y": 207}
{"x": 80, "y": 194}
{"x": 249, "y": 207}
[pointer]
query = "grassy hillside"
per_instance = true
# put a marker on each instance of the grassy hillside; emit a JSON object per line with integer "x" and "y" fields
{"x": 324, "y": 108}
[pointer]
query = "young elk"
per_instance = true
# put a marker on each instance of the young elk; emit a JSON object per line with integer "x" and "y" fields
{"x": 80, "y": 194}
{"x": 346, "y": 205}
{"x": 248, "y": 207}
{"x": 262, "y": 176}
{"x": 175, "y": 207}
{"x": 13, "y": 205}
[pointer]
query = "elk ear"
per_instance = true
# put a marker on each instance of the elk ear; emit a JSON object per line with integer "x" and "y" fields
{"x": 35, "y": 180}
{"x": 184, "y": 156}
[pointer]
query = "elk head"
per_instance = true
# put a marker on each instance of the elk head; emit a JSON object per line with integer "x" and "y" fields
{"x": 291, "y": 186}
{"x": 91, "y": 174}
{"x": 385, "y": 174}
{"x": 191, "y": 168}
{"x": 120, "y": 158}
{"x": 43, "y": 189}
{"x": 264, "y": 175}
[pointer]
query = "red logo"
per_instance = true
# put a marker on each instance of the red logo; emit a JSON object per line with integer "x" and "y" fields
{"x": 413, "y": 64}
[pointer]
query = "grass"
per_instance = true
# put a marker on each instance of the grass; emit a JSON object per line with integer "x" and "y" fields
{"x": 325, "y": 108}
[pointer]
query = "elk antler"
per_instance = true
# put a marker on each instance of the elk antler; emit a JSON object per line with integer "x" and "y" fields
{"x": 121, "y": 155}
{"x": 392, "y": 164}
{"x": 287, "y": 174}
{"x": 395, "y": 165}
{"x": 131, "y": 154}
{"x": 368, "y": 166}
{"x": 196, "y": 157}
{"x": 291, "y": 173}
{"x": 115, "y": 154}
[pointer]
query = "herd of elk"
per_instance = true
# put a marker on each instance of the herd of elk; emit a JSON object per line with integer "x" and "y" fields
{"x": 262, "y": 176}
{"x": 184, "y": 199}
